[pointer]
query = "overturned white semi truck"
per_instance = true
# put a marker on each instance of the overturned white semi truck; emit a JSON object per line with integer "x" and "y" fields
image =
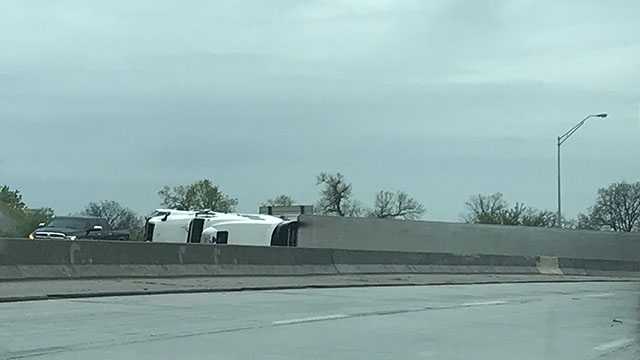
{"x": 208, "y": 227}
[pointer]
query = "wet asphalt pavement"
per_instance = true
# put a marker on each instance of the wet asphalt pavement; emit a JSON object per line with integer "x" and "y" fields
{"x": 492, "y": 321}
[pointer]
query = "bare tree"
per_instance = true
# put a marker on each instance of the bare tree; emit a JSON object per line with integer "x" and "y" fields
{"x": 118, "y": 216}
{"x": 201, "y": 195}
{"x": 280, "y": 200}
{"x": 485, "y": 209}
{"x": 587, "y": 222}
{"x": 541, "y": 218}
{"x": 512, "y": 215}
{"x": 336, "y": 200}
{"x": 354, "y": 208}
{"x": 335, "y": 195}
{"x": 384, "y": 204}
{"x": 398, "y": 205}
{"x": 493, "y": 209}
{"x": 617, "y": 207}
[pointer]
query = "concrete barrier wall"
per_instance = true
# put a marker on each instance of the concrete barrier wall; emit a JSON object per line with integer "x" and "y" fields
{"x": 27, "y": 259}
{"x": 60, "y": 259}
{"x": 464, "y": 239}
{"x": 87, "y": 252}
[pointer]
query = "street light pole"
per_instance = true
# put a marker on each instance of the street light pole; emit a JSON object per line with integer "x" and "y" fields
{"x": 561, "y": 139}
{"x": 559, "y": 217}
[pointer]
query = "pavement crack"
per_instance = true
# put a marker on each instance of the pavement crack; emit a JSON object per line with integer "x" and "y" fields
{"x": 148, "y": 338}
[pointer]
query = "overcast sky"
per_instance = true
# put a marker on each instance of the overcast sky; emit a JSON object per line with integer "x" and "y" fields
{"x": 442, "y": 99}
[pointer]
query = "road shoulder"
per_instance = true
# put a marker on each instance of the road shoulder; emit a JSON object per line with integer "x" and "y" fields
{"x": 11, "y": 291}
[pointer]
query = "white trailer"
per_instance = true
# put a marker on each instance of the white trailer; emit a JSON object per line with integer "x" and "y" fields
{"x": 167, "y": 225}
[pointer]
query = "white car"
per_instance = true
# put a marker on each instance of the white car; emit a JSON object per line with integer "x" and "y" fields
{"x": 167, "y": 225}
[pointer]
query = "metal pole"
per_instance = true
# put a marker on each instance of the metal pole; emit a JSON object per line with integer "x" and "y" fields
{"x": 561, "y": 140}
{"x": 559, "y": 219}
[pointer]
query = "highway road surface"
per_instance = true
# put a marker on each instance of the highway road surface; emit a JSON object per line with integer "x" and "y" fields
{"x": 496, "y": 321}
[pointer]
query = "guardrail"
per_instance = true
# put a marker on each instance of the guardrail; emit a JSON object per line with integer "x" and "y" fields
{"x": 60, "y": 259}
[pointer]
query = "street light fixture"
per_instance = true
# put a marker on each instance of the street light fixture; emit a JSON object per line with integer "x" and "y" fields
{"x": 561, "y": 139}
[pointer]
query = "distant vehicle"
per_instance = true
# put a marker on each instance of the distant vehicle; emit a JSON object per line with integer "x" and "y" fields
{"x": 78, "y": 227}
{"x": 166, "y": 225}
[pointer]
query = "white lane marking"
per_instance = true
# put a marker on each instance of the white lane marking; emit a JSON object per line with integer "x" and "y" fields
{"x": 310, "y": 319}
{"x": 484, "y": 303}
{"x": 599, "y": 295}
{"x": 613, "y": 345}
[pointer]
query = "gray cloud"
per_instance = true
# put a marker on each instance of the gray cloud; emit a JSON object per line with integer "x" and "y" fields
{"x": 441, "y": 99}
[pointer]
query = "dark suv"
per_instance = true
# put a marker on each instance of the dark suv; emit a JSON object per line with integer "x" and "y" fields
{"x": 78, "y": 227}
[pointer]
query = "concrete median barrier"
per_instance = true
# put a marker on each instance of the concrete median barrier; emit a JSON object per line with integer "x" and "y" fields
{"x": 27, "y": 259}
{"x": 59, "y": 259}
{"x": 334, "y": 232}
{"x": 350, "y": 261}
{"x": 548, "y": 265}
{"x": 598, "y": 267}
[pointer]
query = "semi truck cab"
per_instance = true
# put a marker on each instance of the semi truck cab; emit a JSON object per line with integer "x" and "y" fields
{"x": 209, "y": 227}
